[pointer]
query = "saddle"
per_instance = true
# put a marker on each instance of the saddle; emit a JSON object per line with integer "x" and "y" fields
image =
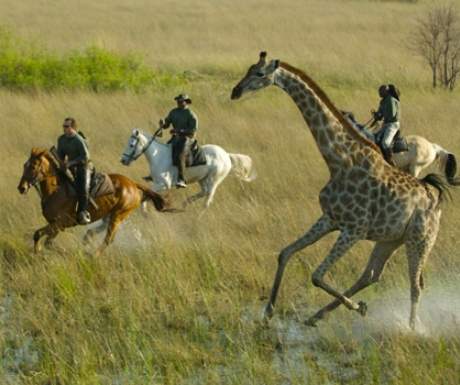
{"x": 399, "y": 143}
{"x": 195, "y": 155}
{"x": 100, "y": 185}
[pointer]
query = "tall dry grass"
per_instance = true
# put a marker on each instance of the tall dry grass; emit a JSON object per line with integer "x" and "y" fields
{"x": 182, "y": 304}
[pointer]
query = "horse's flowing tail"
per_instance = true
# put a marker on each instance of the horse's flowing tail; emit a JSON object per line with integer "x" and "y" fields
{"x": 436, "y": 181}
{"x": 242, "y": 167}
{"x": 448, "y": 164}
{"x": 160, "y": 203}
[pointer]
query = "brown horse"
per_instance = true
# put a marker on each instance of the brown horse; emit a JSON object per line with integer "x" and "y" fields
{"x": 59, "y": 208}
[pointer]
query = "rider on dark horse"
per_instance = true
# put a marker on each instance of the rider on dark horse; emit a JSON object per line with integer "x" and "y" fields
{"x": 389, "y": 111}
{"x": 72, "y": 150}
{"x": 185, "y": 124}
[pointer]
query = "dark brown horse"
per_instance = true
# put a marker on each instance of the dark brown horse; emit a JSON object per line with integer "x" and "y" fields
{"x": 42, "y": 170}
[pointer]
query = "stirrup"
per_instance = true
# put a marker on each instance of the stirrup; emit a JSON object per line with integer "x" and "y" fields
{"x": 181, "y": 184}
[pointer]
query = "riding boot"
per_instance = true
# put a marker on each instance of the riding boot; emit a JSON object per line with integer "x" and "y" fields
{"x": 82, "y": 181}
{"x": 388, "y": 155}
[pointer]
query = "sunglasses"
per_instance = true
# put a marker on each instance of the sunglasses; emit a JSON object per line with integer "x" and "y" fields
{"x": 66, "y": 125}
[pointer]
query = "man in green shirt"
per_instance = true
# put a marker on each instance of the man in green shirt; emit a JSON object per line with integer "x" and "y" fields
{"x": 389, "y": 112}
{"x": 185, "y": 124}
{"x": 74, "y": 155}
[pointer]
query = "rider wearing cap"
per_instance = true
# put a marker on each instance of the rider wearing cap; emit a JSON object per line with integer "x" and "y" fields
{"x": 389, "y": 111}
{"x": 72, "y": 150}
{"x": 185, "y": 124}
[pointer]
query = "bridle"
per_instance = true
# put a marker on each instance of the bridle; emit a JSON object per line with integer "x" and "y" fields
{"x": 132, "y": 156}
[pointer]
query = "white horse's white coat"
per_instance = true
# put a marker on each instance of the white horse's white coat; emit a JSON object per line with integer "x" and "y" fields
{"x": 164, "y": 175}
{"x": 421, "y": 153}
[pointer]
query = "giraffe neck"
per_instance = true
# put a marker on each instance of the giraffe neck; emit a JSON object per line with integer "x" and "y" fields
{"x": 337, "y": 141}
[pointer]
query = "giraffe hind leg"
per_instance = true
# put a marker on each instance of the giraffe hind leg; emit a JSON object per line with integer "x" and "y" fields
{"x": 374, "y": 269}
{"x": 345, "y": 241}
{"x": 419, "y": 243}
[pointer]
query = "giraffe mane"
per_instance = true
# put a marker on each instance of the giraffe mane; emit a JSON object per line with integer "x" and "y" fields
{"x": 332, "y": 108}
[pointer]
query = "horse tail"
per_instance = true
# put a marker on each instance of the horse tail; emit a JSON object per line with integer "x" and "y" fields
{"x": 160, "y": 202}
{"x": 448, "y": 163}
{"x": 243, "y": 167}
{"x": 436, "y": 181}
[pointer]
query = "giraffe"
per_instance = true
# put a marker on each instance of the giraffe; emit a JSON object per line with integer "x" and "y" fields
{"x": 365, "y": 197}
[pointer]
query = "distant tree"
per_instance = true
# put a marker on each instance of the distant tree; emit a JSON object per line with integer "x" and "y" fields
{"x": 436, "y": 39}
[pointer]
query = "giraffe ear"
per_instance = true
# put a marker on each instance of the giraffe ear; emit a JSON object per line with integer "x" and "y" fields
{"x": 277, "y": 63}
{"x": 262, "y": 57}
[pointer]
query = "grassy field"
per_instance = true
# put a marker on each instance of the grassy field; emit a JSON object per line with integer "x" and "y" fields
{"x": 182, "y": 304}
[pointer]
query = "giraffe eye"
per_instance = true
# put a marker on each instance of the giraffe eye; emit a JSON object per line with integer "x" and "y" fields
{"x": 260, "y": 74}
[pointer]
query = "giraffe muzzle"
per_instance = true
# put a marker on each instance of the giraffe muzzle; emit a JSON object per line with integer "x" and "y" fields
{"x": 236, "y": 93}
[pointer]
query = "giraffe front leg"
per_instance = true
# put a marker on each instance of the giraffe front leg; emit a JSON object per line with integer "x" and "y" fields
{"x": 345, "y": 241}
{"x": 322, "y": 227}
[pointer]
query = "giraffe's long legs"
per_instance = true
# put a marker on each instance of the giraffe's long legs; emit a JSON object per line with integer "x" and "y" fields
{"x": 418, "y": 247}
{"x": 345, "y": 241}
{"x": 322, "y": 227}
{"x": 374, "y": 269}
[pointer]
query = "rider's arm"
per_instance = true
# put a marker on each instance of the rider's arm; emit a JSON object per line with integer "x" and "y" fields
{"x": 167, "y": 121}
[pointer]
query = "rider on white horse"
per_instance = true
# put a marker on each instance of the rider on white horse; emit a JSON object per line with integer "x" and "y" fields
{"x": 185, "y": 124}
{"x": 389, "y": 111}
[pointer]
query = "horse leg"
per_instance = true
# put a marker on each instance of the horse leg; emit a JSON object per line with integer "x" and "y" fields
{"x": 93, "y": 231}
{"x": 115, "y": 220}
{"x": 51, "y": 232}
{"x": 38, "y": 235}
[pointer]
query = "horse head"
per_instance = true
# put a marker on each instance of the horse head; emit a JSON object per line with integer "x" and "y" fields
{"x": 36, "y": 168}
{"x": 135, "y": 147}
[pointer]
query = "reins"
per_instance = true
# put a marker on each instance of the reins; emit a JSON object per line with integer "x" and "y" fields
{"x": 132, "y": 157}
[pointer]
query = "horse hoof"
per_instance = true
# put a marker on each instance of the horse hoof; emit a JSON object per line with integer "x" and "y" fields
{"x": 362, "y": 308}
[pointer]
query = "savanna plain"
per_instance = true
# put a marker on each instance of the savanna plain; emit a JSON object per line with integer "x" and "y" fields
{"x": 178, "y": 298}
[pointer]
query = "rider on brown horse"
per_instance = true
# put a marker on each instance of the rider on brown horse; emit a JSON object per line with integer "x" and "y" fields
{"x": 185, "y": 124}
{"x": 73, "y": 152}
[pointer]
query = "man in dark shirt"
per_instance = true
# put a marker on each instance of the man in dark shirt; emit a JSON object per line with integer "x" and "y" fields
{"x": 73, "y": 152}
{"x": 185, "y": 124}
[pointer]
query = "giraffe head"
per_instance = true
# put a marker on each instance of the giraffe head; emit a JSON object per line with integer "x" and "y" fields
{"x": 259, "y": 75}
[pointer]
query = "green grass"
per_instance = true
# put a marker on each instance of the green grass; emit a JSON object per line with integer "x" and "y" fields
{"x": 25, "y": 66}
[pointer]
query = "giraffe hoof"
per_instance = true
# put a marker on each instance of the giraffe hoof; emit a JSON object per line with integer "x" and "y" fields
{"x": 268, "y": 314}
{"x": 362, "y": 308}
{"x": 311, "y": 322}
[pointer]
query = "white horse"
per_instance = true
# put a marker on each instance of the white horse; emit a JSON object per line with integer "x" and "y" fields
{"x": 164, "y": 175}
{"x": 421, "y": 153}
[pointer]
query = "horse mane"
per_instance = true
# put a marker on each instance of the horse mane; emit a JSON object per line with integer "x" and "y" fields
{"x": 334, "y": 110}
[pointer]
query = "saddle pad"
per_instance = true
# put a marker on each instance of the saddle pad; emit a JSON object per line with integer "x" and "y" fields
{"x": 196, "y": 155}
{"x": 101, "y": 185}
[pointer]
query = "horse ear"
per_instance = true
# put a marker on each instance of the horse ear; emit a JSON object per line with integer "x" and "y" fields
{"x": 37, "y": 152}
